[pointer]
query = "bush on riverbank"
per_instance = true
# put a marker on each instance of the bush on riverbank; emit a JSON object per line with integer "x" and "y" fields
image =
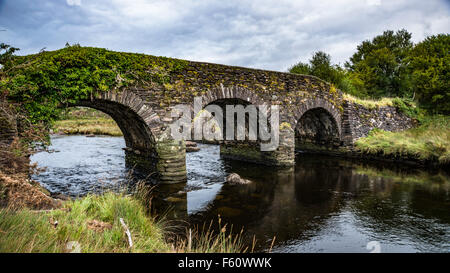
{"x": 429, "y": 142}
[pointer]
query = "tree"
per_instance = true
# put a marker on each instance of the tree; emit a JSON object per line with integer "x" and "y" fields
{"x": 321, "y": 67}
{"x": 429, "y": 63}
{"x": 7, "y": 54}
{"x": 381, "y": 64}
{"x": 300, "y": 68}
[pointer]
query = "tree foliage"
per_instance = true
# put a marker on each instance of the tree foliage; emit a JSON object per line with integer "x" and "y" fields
{"x": 429, "y": 63}
{"x": 42, "y": 82}
{"x": 320, "y": 66}
{"x": 381, "y": 64}
{"x": 6, "y": 53}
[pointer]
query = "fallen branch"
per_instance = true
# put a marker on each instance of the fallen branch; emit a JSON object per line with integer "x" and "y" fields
{"x": 127, "y": 231}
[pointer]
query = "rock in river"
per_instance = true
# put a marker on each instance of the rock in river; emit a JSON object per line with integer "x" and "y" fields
{"x": 191, "y": 144}
{"x": 191, "y": 147}
{"x": 235, "y": 179}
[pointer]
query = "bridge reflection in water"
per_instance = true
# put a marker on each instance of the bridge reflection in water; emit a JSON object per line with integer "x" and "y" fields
{"x": 321, "y": 204}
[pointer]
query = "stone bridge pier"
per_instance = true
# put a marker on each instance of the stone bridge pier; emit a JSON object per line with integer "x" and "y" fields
{"x": 250, "y": 151}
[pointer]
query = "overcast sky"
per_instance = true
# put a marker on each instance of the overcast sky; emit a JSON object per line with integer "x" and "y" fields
{"x": 253, "y": 33}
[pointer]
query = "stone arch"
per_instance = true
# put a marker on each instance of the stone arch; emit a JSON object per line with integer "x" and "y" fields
{"x": 317, "y": 103}
{"x": 149, "y": 146}
{"x": 138, "y": 123}
{"x": 317, "y": 122}
{"x": 232, "y": 95}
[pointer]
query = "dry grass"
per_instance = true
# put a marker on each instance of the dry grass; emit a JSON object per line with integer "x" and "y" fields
{"x": 97, "y": 126}
{"x": 368, "y": 103}
{"x": 205, "y": 240}
{"x": 17, "y": 191}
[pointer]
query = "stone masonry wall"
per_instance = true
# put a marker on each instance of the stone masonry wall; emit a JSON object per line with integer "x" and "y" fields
{"x": 358, "y": 121}
{"x": 257, "y": 86}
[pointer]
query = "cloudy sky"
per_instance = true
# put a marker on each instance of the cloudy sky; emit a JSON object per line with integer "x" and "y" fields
{"x": 253, "y": 33}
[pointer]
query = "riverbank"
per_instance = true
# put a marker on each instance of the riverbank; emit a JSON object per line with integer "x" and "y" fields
{"x": 426, "y": 146}
{"x": 86, "y": 121}
{"x": 39, "y": 223}
{"x": 429, "y": 143}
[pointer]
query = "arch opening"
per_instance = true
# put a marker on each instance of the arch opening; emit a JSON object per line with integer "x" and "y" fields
{"x": 136, "y": 133}
{"x": 140, "y": 150}
{"x": 77, "y": 164}
{"x": 245, "y": 143}
{"x": 222, "y": 103}
{"x": 316, "y": 128}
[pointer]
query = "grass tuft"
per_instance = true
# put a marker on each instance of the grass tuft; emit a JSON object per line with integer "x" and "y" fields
{"x": 35, "y": 231}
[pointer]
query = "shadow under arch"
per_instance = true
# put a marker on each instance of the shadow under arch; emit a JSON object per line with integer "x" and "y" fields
{"x": 246, "y": 146}
{"x": 318, "y": 128}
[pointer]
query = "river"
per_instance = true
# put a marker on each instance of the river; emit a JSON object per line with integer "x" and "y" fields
{"x": 323, "y": 204}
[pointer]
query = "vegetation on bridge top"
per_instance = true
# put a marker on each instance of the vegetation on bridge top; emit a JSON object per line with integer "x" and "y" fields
{"x": 42, "y": 82}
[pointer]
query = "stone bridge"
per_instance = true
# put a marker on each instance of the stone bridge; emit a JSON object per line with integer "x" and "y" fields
{"x": 309, "y": 108}
{"x": 312, "y": 112}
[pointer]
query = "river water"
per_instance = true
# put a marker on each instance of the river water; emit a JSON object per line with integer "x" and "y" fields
{"x": 323, "y": 204}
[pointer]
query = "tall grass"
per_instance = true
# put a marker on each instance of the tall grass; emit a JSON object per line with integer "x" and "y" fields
{"x": 93, "y": 222}
{"x": 31, "y": 231}
{"x": 428, "y": 142}
{"x": 206, "y": 240}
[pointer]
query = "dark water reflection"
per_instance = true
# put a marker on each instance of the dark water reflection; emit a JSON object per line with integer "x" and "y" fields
{"x": 322, "y": 205}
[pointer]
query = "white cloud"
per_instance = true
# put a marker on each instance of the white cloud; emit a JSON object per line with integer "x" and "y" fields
{"x": 373, "y": 2}
{"x": 73, "y": 2}
{"x": 256, "y": 33}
